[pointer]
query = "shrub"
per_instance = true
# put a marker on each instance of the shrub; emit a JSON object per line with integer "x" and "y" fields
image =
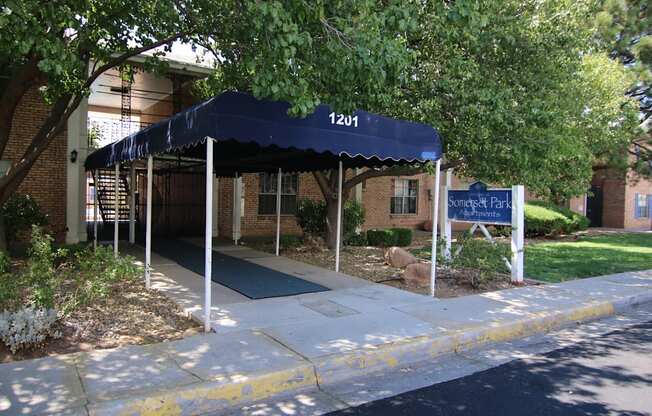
{"x": 488, "y": 259}
{"x": 403, "y": 236}
{"x": 20, "y": 213}
{"x": 353, "y": 217}
{"x": 543, "y": 218}
{"x": 289, "y": 241}
{"x": 10, "y": 291}
{"x": 381, "y": 238}
{"x": 28, "y": 327}
{"x": 311, "y": 216}
{"x": 96, "y": 270}
{"x": 358, "y": 240}
{"x": 41, "y": 273}
{"x": 390, "y": 237}
{"x": 5, "y": 264}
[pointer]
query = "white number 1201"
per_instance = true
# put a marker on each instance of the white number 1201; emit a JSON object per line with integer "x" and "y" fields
{"x": 343, "y": 120}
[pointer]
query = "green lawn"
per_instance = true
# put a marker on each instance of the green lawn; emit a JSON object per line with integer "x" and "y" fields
{"x": 589, "y": 256}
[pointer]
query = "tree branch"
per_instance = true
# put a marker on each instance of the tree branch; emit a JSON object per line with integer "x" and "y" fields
{"x": 120, "y": 59}
{"x": 323, "y": 184}
{"x": 393, "y": 171}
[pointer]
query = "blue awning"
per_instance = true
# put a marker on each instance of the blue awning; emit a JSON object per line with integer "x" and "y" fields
{"x": 256, "y": 135}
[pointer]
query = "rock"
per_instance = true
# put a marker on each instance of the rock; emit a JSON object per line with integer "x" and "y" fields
{"x": 417, "y": 274}
{"x": 398, "y": 257}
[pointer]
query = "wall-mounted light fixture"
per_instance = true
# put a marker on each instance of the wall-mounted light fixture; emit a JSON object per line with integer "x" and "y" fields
{"x": 73, "y": 156}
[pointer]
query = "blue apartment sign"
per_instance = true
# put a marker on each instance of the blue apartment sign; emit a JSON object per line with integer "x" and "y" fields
{"x": 480, "y": 205}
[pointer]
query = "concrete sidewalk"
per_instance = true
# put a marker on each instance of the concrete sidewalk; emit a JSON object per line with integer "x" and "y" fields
{"x": 356, "y": 331}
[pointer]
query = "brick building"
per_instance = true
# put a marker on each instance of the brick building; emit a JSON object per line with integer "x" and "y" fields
{"x": 61, "y": 186}
{"x": 620, "y": 200}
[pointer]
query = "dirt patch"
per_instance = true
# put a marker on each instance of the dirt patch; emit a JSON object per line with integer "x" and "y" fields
{"x": 129, "y": 315}
{"x": 369, "y": 263}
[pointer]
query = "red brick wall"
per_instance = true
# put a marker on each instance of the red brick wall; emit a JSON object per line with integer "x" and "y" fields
{"x": 641, "y": 186}
{"x": 46, "y": 181}
{"x": 613, "y": 203}
{"x": 252, "y": 223}
{"x": 376, "y": 198}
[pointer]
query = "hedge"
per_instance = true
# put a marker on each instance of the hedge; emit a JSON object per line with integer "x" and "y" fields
{"x": 390, "y": 237}
{"x": 403, "y": 236}
{"x": 544, "y": 218}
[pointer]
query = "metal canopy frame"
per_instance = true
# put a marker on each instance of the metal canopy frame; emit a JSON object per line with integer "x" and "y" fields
{"x": 232, "y": 157}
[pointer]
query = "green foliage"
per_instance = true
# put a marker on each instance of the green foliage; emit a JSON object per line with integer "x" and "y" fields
{"x": 403, "y": 236}
{"x": 381, "y": 238}
{"x": 623, "y": 28}
{"x": 41, "y": 274}
{"x": 589, "y": 255}
{"x": 311, "y": 216}
{"x": 5, "y": 263}
{"x": 400, "y": 237}
{"x": 65, "y": 278}
{"x": 290, "y": 241}
{"x": 544, "y": 218}
{"x": 309, "y": 52}
{"x": 9, "y": 284}
{"x": 519, "y": 100}
{"x": 303, "y": 51}
{"x": 356, "y": 240}
{"x": 20, "y": 213}
{"x": 353, "y": 217}
{"x": 93, "y": 274}
{"x": 486, "y": 258}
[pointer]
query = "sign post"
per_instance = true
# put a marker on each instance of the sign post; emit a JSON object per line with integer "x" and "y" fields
{"x": 518, "y": 230}
{"x": 481, "y": 206}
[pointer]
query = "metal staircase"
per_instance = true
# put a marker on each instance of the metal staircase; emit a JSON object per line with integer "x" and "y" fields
{"x": 104, "y": 180}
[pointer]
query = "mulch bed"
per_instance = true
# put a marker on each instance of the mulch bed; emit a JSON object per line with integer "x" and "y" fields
{"x": 369, "y": 263}
{"x": 129, "y": 315}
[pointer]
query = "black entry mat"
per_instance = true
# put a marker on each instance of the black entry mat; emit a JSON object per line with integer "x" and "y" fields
{"x": 250, "y": 279}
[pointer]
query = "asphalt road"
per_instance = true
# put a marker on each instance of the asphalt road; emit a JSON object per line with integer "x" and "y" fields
{"x": 610, "y": 375}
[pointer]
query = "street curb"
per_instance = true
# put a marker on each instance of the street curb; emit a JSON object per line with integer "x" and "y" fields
{"x": 211, "y": 396}
{"x": 337, "y": 368}
{"x": 223, "y": 395}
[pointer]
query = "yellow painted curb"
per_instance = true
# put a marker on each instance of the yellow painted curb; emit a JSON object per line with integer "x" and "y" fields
{"x": 211, "y": 396}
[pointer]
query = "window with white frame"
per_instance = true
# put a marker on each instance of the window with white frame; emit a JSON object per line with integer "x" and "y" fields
{"x": 267, "y": 194}
{"x": 642, "y": 206}
{"x": 404, "y": 200}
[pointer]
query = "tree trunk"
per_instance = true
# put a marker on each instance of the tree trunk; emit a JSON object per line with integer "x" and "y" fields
{"x": 331, "y": 223}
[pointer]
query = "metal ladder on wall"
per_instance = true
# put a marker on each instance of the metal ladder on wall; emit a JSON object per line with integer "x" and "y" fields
{"x": 104, "y": 180}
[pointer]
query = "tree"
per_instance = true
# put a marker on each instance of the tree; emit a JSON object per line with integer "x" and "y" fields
{"x": 625, "y": 29}
{"x": 347, "y": 52}
{"x": 519, "y": 92}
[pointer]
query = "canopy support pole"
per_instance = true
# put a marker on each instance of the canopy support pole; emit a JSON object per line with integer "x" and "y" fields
{"x": 208, "y": 260}
{"x": 132, "y": 203}
{"x": 278, "y": 210}
{"x": 148, "y": 222}
{"x": 435, "y": 215}
{"x": 116, "y": 210}
{"x": 237, "y": 204}
{"x": 339, "y": 218}
{"x": 95, "y": 209}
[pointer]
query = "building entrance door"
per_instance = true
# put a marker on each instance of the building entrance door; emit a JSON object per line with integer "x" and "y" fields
{"x": 594, "y": 206}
